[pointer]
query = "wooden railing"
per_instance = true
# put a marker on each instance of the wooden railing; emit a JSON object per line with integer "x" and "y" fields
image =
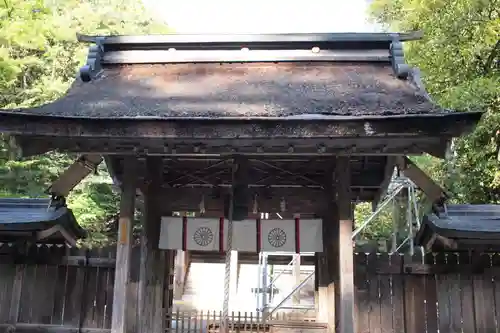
{"x": 211, "y": 322}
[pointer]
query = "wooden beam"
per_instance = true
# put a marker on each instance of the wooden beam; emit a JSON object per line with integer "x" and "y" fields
{"x": 431, "y": 189}
{"x": 238, "y": 271}
{"x": 325, "y": 299}
{"x": 298, "y": 200}
{"x": 72, "y": 176}
{"x": 316, "y": 286}
{"x": 439, "y": 149}
{"x": 179, "y": 274}
{"x": 152, "y": 203}
{"x": 308, "y": 173}
{"x": 187, "y": 269}
{"x": 168, "y": 286}
{"x": 153, "y": 261}
{"x": 182, "y": 265}
{"x": 326, "y": 261}
{"x": 29, "y": 328}
{"x": 15, "y": 301}
{"x": 297, "y": 278}
{"x": 344, "y": 272}
{"x": 56, "y": 260}
{"x": 444, "y": 125}
{"x": 388, "y": 172}
{"x": 124, "y": 247}
{"x": 241, "y": 199}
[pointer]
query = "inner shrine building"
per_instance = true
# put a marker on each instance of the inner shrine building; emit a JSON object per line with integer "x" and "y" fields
{"x": 228, "y": 127}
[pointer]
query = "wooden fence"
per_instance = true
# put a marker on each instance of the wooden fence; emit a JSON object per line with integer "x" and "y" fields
{"x": 448, "y": 293}
{"x": 211, "y": 321}
{"x": 73, "y": 289}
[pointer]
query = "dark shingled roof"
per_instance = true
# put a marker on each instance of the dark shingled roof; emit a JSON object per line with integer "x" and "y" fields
{"x": 461, "y": 226}
{"x": 210, "y": 76}
{"x": 242, "y": 90}
{"x": 23, "y": 218}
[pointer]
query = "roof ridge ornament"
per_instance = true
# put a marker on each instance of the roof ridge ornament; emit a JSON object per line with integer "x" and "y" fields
{"x": 400, "y": 67}
{"x": 404, "y": 71}
{"x": 93, "y": 67}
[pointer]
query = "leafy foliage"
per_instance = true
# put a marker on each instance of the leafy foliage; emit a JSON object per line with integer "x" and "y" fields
{"x": 381, "y": 225}
{"x": 39, "y": 58}
{"x": 459, "y": 57}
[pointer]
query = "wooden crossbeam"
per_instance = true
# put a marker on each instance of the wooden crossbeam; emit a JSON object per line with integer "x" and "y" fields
{"x": 72, "y": 176}
{"x": 431, "y": 189}
{"x": 388, "y": 172}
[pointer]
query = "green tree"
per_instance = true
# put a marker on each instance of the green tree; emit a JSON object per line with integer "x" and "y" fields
{"x": 459, "y": 57}
{"x": 381, "y": 225}
{"x": 39, "y": 59}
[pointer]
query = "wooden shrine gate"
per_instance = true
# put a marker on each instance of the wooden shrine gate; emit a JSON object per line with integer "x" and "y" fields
{"x": 234, "y": 126}
{"x": 451, "y": 293}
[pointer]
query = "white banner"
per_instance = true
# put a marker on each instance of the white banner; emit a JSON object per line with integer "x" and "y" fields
{"x": 278, "y": 235}
{"x": 244, "y": 235}
{"x": 203, "y": 234}
{"x": 171, "y": 233}
{"x": 311, "y": 235}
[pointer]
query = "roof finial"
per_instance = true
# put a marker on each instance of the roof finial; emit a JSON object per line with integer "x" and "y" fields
{"x": 93, "y": 66}
{"x": 400, "y": 67}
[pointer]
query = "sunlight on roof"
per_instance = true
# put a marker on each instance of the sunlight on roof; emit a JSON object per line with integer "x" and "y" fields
{"x": 263, "y": 16}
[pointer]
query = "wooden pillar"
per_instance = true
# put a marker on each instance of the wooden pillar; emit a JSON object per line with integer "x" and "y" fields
{"x": 182, "y": 265}
{"x": 153, "y": 266}
{"x": 325, "y": 261}
{"x": 179, "y": 274}
{"x": 343, "y": 250}
{"x": 238, "y": 271}
{"x": 325, "y": 299}
{"x": 15, "y": 302}
{"x": 124, "y": 246}
{"x": 296, "y": 278}
{"x": 328, "y": 262}
{"x": 168, "y": 287}
{"x": 316, "y": 285}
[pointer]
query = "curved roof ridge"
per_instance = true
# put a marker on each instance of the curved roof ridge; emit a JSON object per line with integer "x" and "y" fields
{"x": 251, "y": 38}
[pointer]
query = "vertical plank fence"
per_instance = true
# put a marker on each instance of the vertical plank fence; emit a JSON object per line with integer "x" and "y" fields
{"x": 61, "y": 290}
{"x": 73, "y": 289}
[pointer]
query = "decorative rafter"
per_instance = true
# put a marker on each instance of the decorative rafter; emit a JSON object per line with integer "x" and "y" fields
{"x": 93, "y": 66}
{"x": 400, "y": 67}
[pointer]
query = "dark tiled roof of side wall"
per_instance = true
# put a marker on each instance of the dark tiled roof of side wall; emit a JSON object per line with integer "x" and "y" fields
{"x": 466, "y": 221}
{"x": 241, "y": 90}
{"x": 35, "y": 214}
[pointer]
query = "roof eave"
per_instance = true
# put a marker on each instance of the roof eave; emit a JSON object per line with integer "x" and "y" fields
{"x": 60, "y": 220}
{"x": 453, "y": 124}
{"x": 232, "y": 131}
{"x": 248, "y": 39}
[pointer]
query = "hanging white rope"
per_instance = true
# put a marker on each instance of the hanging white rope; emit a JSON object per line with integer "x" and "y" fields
{"x": 229, "y": 248}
